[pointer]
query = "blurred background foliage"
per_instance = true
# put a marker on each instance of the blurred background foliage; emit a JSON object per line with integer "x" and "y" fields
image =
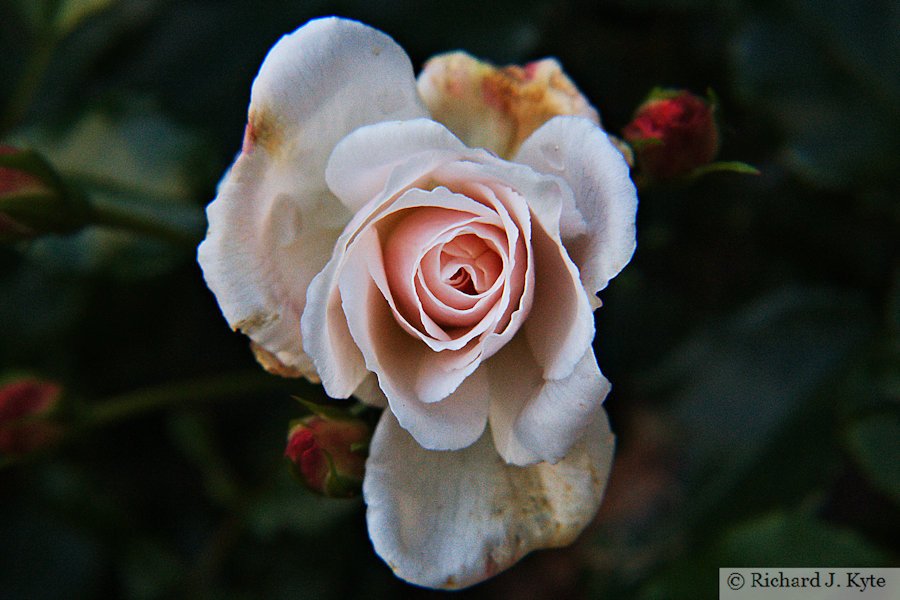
{"x": 753, "y": 342}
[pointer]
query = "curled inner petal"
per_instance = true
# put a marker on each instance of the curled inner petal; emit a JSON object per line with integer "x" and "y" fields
{"x": 447, "y": 266}
{"x": 456, "y": 290}
{"x": 469, "y": 265}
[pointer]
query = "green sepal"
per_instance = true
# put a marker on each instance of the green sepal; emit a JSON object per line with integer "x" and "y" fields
{"x": 327, "y": 411}
{"x": 731, "y": 166}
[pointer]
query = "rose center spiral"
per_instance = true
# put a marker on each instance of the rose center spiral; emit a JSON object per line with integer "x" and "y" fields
{"x": 468, "y": 265}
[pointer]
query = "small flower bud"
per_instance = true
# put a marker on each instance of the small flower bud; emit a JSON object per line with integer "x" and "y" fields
{"x": 32, "y": 198}
{"x": 26, "y": 406}
{"x": 673, "y": 133}
{"x": 328, "y": 454}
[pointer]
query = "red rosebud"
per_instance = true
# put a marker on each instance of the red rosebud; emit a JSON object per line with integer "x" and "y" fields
{"x": 327, "y": 454}
{"x": 33, "y": 199}
{"x": 673, "y": 133}
{"x": 25, "y": 407}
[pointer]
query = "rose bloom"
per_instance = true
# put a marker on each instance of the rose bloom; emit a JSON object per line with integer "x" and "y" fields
{"x": 433, "y": 246}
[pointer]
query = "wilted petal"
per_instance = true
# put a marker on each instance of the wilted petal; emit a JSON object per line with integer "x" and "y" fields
{"x": 452, "y": 519}
{"x": 605, "y": 198}
{"x": 497, "y": 107}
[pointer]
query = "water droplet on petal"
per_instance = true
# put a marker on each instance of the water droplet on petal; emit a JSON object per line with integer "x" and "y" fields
{"x": 553, "y": 155}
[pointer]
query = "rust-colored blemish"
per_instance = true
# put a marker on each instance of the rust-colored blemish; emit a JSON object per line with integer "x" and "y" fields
{"x": 261, "y": 130}
{"x": 272, "y": 364}
{"x": 249, "y": 139}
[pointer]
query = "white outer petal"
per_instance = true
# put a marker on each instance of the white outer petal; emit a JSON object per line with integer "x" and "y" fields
{"x": 533, "y": 419}
{"x": 580, "y": 152}
{"x": 362, "y": 162}
{"x": 452, "y": 519}
{"x": 321, "y": 82}
{"x": 273, "y": 223}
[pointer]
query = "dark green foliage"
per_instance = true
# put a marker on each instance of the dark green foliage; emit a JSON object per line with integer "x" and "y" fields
{"x": 757, "y": 327}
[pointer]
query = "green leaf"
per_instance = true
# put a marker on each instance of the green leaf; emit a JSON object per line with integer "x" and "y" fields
{"x": 285, "y": 507}
{"x": 72, "y": 13}
{"x": 34, "y": 12}
{"x": 742, "y": 380}
{"x": 875, "y": 444}
{"x": 826, "y": 74}
{"x": 138, "y": 170}
{"x": 128, "y": 151}
{"x": 31, "y": 162}
{"x": 724, "y": 166}
{"x": 60, "y": 17}
{"x": 796, "y": 539}
{"x": 783, "y": 538}
{"x": 149, "y": 569}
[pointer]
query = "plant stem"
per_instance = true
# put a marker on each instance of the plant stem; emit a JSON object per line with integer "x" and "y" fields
{"x": 124, "y": 217}
{"x": 203, "y": 389}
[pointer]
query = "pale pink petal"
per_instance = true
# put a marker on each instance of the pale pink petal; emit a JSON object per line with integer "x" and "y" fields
{"x": 514, "y": 376}
{"x": 560, "y": 328}
{"x": 555, "y": 418}
{"x": 453, "y": 423}
{"x": 273, "y": 223}
{"x": 605, "y": 198}
{"x": 327, "y": 339}
{"x": 369, "y": 393}
{"x": 409, "y": 247}
{"x": 442, "y": 280}
{"x": 453, "y": 519}
{"x": 326, "y": 336}
{"x": 534, "y": 419}
{"x": 479, "y": 180}
{"x": 261, "y": 251}
{"x": 520, "y": 188}
{"x": 419, "y": 383}
{"x": 455, "y": 213}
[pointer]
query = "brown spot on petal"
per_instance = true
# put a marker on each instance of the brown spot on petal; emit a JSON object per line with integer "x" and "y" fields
{"x": 491, "y": 567}
{"x": 252, "y": 323}
{"x": 262, "y": 130}
{"x": 529, "y": 97}
{"x": 249, "y": 139}
{"x": 270, "y": 363}
{"x": 498, "y": 108}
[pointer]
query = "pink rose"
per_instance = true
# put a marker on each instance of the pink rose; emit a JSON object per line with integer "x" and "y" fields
{"x": 362, "y": 244}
